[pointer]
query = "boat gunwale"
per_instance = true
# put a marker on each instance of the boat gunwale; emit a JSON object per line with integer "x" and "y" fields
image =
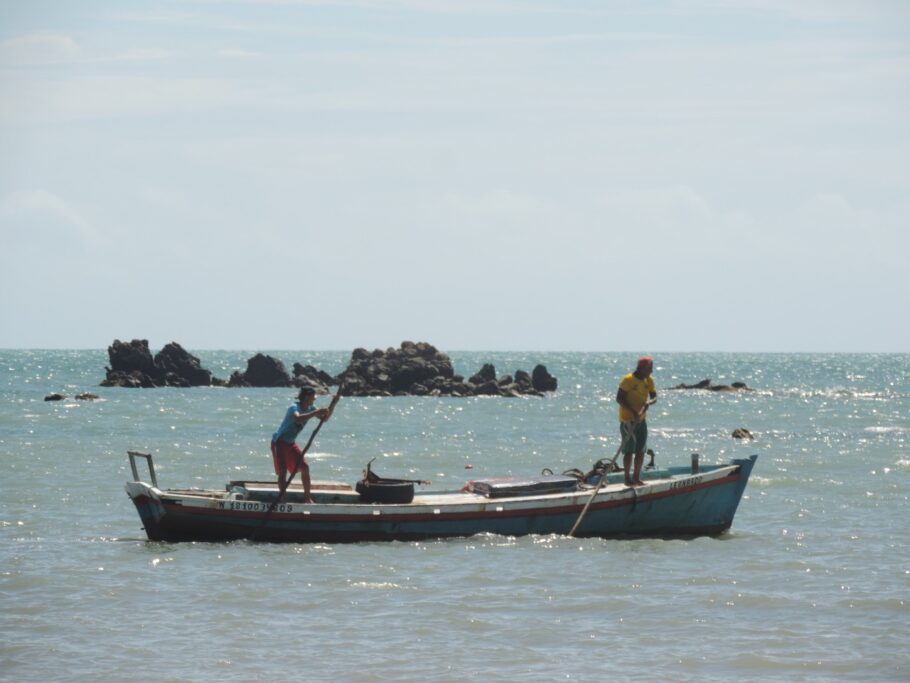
{"x": 611, "y": 495}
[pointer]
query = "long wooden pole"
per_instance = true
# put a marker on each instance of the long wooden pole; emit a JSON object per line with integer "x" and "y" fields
{"x": 603, "y": 478}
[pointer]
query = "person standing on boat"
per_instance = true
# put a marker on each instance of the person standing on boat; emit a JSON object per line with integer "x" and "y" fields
{"x": 636, "y": 393}
{"x": 286, "y": 454}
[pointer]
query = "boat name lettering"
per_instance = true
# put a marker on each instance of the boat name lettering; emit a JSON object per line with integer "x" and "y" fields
{"x": 254, "y": 506}
{"x": 684, "y": 482}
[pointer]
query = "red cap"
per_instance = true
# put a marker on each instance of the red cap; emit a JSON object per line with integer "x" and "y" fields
{"x": 644, "y": 360}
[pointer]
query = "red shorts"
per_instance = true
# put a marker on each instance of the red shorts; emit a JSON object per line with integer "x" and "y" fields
{"x": 285, "y": 456}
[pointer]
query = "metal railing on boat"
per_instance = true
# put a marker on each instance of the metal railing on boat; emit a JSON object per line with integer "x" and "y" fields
{"x": 148, "y": 459}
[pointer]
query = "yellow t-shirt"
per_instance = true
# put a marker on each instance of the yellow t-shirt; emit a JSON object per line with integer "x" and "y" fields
{"x": 637, "y": 391}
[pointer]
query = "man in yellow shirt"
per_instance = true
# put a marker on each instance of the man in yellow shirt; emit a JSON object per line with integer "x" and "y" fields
{"x": 636, "y": 393}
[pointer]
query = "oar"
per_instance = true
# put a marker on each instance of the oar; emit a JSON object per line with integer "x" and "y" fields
{"x": 603, "y": 477}
{"x": 297, "y": 465}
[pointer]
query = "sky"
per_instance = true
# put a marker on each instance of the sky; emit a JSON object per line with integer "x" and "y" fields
{"x": 486, "y": 175}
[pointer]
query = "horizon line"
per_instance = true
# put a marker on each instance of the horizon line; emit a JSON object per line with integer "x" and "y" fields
{"x": 477, "y": 350}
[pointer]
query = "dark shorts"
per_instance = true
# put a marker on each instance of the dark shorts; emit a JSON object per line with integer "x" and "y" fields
{"x": 637, "y": 441}
{"x": 285, "y": 456}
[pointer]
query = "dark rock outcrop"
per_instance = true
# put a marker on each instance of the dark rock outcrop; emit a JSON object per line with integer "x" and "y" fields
{"x": 307, "y": 375}
{"x": 422, "y": 370}
{"x": 704, "y": 384}
{"x": 267, "y": 371}
{"x": 412, "y": 369}
{"x": 261, "y": 371}
{"x": 180, "y": 366}
{"x": 742, "y": 433}
{"x": 132, "y": 365}
{"x": 57, "y": 396}
{"x": 487, "y": 373}
{"x": 708, "y": 386}
{"x": 542, "y": 380}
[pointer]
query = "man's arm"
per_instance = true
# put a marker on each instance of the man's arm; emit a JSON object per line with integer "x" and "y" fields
{"x": 320, "y": 413}
{"x": 622, "y": 398}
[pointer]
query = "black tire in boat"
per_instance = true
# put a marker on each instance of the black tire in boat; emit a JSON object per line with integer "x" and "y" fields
{"x": 386, "y": 491}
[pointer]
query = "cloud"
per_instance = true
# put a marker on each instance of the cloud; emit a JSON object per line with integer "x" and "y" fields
{"x": 655, "y": 209}
{"x": 39, "y": 48}
{"x": 237, "y": 53}
{"x": 39, "y": 201}
{"x": 106, "y": 97}
{"x": 155, "y": 16}
{"x": 142, "y": 55}
{"x": 806, "y": 10}
{"x": 39, "y": 209}
{"x": 434, "y": 6}
{"x": 497, "y": 205}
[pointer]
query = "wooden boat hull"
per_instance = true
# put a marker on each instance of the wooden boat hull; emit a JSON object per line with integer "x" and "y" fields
{"x": 681, "y": 504}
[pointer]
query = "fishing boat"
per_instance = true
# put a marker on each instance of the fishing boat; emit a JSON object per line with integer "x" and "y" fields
{"x": 674, "y": 502}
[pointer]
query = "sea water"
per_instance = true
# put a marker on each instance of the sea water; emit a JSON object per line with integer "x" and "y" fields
{"x": 812, "y": 583}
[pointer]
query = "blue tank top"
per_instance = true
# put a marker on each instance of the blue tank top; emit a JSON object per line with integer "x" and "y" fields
{"x": 289, "y": 430}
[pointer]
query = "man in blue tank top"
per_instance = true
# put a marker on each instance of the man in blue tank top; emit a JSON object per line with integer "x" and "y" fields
{"x": 286, "y": 454}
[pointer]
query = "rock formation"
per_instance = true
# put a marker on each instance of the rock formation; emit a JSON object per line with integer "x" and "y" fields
{"x": 706, "y": 384}
{"x": 307, "y": 375}
{"x": 543, "y": 380}
{"x": 261, "y": 371}
{"x": 181, "y": 368}
{"x": 132, "y": 365}
{"x": 412, "y": 369}
{"x": 422, "y": 370}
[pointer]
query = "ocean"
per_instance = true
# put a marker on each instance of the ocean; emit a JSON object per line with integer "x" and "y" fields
{"x": 812, "y": 583}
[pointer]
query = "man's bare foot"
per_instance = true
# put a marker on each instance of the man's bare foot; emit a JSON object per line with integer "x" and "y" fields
{"x": 638, "y": 482}
{"x": 309, "y": 499}
{"x": 629, "y": 482}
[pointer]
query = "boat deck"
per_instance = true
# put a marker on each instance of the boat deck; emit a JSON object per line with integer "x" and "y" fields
{"x": 272, "y": 485}
{"x": 335, "y": 492}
